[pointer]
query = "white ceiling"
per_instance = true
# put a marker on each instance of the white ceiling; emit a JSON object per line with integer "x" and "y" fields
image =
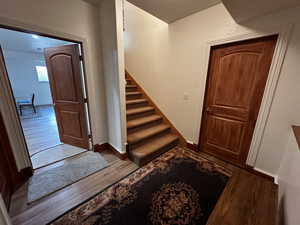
{"x": 242, "y": 10}
{"x": 171, "y": 10}
{"x": 19, "y": 41}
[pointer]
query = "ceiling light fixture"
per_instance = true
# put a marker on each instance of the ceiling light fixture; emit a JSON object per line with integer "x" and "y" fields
{"x": 35, "y": 36}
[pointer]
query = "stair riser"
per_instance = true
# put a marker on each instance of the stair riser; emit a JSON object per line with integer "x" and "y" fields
{"x": 136, "y": 105}
{"x": 128, "y": 81}
{"x": 143, "y": 161}
{"x": 144, "y": 126}
{"x": 131, "y": 97}
{"x": 143, "y": 141}
{"x": 135, "y": 116}
{"x": 129, "y": 89}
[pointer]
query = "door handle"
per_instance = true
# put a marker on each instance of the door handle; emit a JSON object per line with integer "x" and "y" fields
{"x": 208, "y": 109}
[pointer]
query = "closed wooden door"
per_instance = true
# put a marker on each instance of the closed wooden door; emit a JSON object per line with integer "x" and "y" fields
{"x": 236, "y": 81}
{"x": 63, "y": 65}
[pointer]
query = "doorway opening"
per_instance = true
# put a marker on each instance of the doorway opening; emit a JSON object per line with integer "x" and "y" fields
{"x": 38, "y": 105}
{"x": 45, "y": 93}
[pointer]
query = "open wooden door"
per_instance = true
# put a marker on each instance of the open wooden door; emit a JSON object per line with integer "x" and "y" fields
{"x": 236, "y": 81}
{"x": 8, "y": 169}
{"x": 63, "y": 65}
{"x": 10, "y": 177}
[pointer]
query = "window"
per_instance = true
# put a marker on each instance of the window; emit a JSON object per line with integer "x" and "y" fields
{"x": 42, "y": 73}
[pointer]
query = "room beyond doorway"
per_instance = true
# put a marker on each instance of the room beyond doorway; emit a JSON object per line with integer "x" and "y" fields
{"x": 42, "y": 138}
{"x": 32, "y": 89}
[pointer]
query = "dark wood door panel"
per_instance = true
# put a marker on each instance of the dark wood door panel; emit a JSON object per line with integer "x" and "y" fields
{"x": 229, "y": 112}
{"x": 63, "y": 64}
{"x": 225, "y": 134}
{"x": 236, "y": 81}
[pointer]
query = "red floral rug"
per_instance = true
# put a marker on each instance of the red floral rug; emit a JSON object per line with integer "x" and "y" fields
{"x": 179, "y": 187}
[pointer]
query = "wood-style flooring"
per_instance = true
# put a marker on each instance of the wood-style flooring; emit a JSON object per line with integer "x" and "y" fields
{"x": 40, "y": 129}
{"x": 247, "y": 199}
{"x": 42, "y": 137}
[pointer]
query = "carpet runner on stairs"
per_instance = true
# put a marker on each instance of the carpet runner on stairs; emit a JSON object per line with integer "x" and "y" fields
{"x": 148, "y": 135}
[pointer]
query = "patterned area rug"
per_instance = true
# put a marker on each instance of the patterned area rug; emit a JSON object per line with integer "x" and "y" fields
{"x": 178, "y": 187}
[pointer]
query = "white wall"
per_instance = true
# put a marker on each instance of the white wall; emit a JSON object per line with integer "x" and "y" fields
{"x": 72, "y": 19}
{"x": 113, "y": 58}
{"x": 167, "y": 60}
{"x": 23, "y": 76}
{"x": 289, "y": 183}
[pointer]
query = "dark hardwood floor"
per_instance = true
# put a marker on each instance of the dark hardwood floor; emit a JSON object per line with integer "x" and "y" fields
{"x": 45, "y": 210}
{"x": 247, "y": 199}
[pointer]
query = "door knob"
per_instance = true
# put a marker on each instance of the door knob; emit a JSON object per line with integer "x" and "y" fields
{"x": 208, "y": 109}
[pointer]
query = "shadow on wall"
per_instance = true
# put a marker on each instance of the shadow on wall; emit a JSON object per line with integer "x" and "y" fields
{"x": 281, "y": 212}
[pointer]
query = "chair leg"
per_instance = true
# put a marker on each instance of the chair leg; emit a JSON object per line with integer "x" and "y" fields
{"x": 34, "y": 110}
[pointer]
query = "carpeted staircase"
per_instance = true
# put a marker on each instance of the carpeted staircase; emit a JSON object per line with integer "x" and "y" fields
{"x": 148, "y": 135}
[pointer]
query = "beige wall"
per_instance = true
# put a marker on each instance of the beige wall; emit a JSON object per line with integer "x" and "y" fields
{"x": 74, "y": 19}
{"x": 167, "y": 60}
{"x": 289, "y": 183}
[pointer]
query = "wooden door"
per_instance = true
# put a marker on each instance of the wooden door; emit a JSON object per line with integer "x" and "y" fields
{"x": 8, "y": 168}
{"x": 6, "y": 182}
{"x": 236, "y": 81}
{"x": 10, "y": 177}
{"x": 63, "y": 65}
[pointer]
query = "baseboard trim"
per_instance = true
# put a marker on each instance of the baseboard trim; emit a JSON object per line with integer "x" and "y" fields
{"x": 106, "y": 146}
{"x": 192, "y": 146}
{"x": 261, "y": 173}
{"x": 101, "y": 147}
{"x": 23, "y": 175}
{"x": 256, "y": 171}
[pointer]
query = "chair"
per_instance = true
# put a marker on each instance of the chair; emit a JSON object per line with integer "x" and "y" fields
{"x": 26, "y": 103}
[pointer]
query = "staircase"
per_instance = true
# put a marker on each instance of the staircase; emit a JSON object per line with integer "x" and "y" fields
{"x": 148, "y": 134}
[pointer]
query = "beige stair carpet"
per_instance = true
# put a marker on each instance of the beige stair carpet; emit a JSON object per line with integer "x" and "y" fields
{"x": 148, "y": 135}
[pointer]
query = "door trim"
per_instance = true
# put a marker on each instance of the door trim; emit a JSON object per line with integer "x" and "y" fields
{"x": 4, "y": 217}
{"x": 283, "y": 33}
{"x": 13, "y": 125}
{"x": 15, "y": 131}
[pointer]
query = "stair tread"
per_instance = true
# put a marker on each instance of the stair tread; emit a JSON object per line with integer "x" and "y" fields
{"x": 146, "y": 133}
{"x": 153, "y": 146}
{"x": 131, "y": 86}
{"x": 134, "y": 93}
{"x": 135, "y": 101}
{"x": 139, "y": 110}
{"x": 143, "y": 120}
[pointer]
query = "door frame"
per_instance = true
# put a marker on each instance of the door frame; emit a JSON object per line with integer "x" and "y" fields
{"x": 284, "y": 34}
{"x": 14, "y": 129}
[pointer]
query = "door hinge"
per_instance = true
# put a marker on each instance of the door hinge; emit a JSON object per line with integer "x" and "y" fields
{"x": 81, "y": 58}
{"x": 85, "y": 100}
